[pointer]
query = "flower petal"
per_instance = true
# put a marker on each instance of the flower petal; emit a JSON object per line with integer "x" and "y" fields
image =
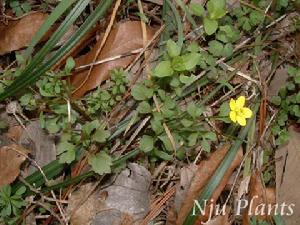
{"x": 240, "y": 102}
{"x": 247, "y": 113}
{"x": 232, "y": 104}
{"x": 232, "y": 116}
{"x": 241, "y": 120}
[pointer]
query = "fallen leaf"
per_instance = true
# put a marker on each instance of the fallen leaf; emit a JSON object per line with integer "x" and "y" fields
{"x": 278, "y": 82}
{"x": 287, "y": 176}
{"x": 10, "y": 162}
{"x": 17, "y": 34}
{"x": 123, "y": 38}
{"x": 186, "y": 176}
{"x": 205, "y": 171}
{"x": 82, "y": 210}
{"x": 259, "y": 195}
{"x": 41, "y": 145}
{"x": 126, "y": 200}
{"x": 15, "y": 133}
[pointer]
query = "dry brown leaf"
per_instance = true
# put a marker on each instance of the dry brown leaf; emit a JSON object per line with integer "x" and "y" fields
{"x": 123, "y": 202}
{"x": 258, "y": 195}
{"x": 205, "y": 171}
{"x": 86, "y": 209}
{"x": 17, "y": 34}
{"x": 40, "y": 144}
{"x": 277, "y": 82}
{"x": 287, "y": 176}
{"x": 15, "y": 133}
{"x": 10, "y": 162}
{"x": 123, "y": 39}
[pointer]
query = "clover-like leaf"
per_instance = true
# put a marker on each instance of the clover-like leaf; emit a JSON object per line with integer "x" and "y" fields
{"x": 101, "y": 163}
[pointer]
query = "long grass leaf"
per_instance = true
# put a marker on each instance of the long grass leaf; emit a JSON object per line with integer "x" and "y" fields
{"x": 59, "y": 10}
{"x": 30, "y": 77}
{"x": 40, "y": 56}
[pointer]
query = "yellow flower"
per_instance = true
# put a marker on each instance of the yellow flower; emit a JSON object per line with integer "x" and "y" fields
{"x": 239, "y": 113}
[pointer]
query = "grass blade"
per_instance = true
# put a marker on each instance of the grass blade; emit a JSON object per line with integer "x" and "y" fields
{"x": 28, "y": 77}
{"x": 52, "y": 18}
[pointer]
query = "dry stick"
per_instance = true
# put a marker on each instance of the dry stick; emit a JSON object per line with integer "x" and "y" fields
{"x": 145, "y": 38}
{"x": 107, "y": 32}
{"x": 137, "y": 131}
{"x": 226, "y": 95}
{"x": 167, "y": 130}
{"x": 112, "y": 58}
{"x": 146, "y": 47}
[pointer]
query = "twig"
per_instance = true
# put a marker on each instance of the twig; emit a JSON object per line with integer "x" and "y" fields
{"x": 112, "y": 58}
{"x": 107, "y": 32}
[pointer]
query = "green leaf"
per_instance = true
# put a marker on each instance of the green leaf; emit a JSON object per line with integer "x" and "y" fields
{"x": 20, "y": 191}
{"x": 297, "y": 79}
{"x": 144, "y": 108}
{"x": 224, "y": 112}
{"x": 256, "y": 17}
{"x": 70, "y": 64}
{"x": 193, "y": 47}
{"x": 197, "y": 9}
{"x": 64, "y": 147}
{"x": 140, "y": 92}
{"x": 205, "y": 145}
{"x": 146, "y": 143}
{"x": 210, "y": 25}
{"x": 298, "y": 98}
{"x": 216, "y": 48}
{"x": 52, "y": 126}
{"x": 193, "y": 110}
{"x": 89, "y": 127}
{"x": 163, "y": 69}
{"x": 210, "y": 136}
{"x": 216, "y": 9}
{"x": 192, "y": 139}
{"x": 186, "y": 122}
{"x": 187, "y": 80}
{"x": 162, "y": 155}
{"x": 173, "y": 48}
{"x": 167, "y": 143}
{"x": 186, "y": 62}
{"x": 101, "y": 135}
{"x": 67, "y": 157}
{"x": 101, "y": 163}
{"x": 276, "y": 100}
{"x": 228, "y": 50}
